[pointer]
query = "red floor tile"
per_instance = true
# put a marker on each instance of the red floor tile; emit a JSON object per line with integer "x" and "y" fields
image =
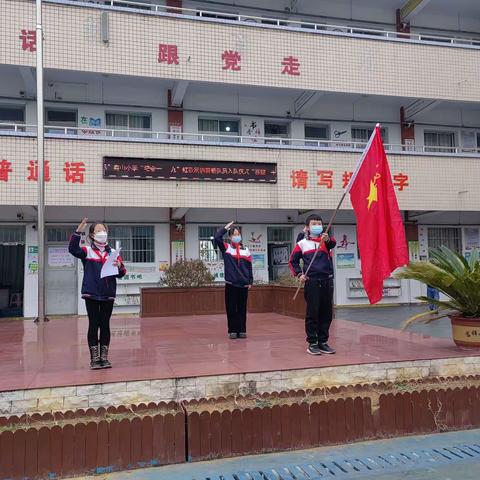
{"x": 56, "y": 354}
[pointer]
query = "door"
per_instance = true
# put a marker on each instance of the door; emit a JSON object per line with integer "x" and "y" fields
{"x": 60, "y": 273}
{"x": 12, "y": 261}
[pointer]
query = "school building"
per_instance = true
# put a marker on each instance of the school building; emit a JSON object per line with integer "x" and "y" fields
{"x": 168, "y": 119}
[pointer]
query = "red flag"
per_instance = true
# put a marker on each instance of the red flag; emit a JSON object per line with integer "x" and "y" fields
{"x": 380, "y": 233}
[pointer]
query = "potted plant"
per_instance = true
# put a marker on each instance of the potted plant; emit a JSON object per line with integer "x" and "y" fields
{"x": 458, "y": 278}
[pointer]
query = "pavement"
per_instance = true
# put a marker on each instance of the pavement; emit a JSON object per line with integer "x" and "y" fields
{"x": 444, "y": 456}
{"x": 393, "y": 317}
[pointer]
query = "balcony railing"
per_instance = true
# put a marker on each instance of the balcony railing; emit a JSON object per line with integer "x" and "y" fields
{"x": 117, "y": 134}
{"x": 252, "y": 20}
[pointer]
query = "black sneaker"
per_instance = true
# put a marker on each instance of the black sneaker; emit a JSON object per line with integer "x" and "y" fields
{"x": 325, "y": 348}
{"x": 242, "y": 335}
{"x": 313, "y": 349}
{"x": 232, "y": 336}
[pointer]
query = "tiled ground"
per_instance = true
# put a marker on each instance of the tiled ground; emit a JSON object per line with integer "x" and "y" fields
{"x": 56, "y": 354}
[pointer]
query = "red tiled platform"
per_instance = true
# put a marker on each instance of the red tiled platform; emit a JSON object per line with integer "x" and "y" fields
{"x": 56, "y": 354}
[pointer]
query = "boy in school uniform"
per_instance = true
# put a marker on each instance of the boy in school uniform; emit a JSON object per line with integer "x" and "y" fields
{"x": 318, "y": 284}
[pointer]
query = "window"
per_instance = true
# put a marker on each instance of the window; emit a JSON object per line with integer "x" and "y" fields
{"x": 208, "y": 251}
{"x": 137, "y": 242}
{"x": 121, "y": 123}
{"x": 363, "y": 134}
{"x": 478, "y": 141}
{"x": 279, "y": 234}
{"x": 449, "y": 237}
{"x": 61, "y": 118}
{"x": 315, "y": 133}
{"x": 218, "y": 16}
{"x": 11, "y": 114}
{"x": 12, "y": 235}
{"x": 439, "y": 141}
{"x": 276, "y": 131}
{"x": 216, "y": 126}
{"x": 59, "y": 234}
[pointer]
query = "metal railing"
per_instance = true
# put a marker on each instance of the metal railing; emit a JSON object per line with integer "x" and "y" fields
{"x": 253, "y": 20}
{"x": 118, "y": 134}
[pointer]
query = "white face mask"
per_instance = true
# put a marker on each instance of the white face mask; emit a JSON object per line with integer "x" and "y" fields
{"x": 101, "y": 237}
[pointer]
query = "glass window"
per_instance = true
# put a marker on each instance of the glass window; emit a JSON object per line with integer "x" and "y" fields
{"x": 449, "y": 237}
{"x": 59, "y": 234}
{"x": 208, "y": 251}
{"x": 363, "y": 134}
{"x": 279, "y": 234}
{"x": 12, "y": 114}
{"x": 217, "y": 126}
{"x": 61, "y": 118}
{"x": 9, "y": 235}
{"x": 137, "y": 242}
{"x": 122, "y": 122}
{"x": 314, "y": 133}
{"x": 276, "y": 130}
{"x": 439, "y": 141}
{"x": 319, "y": 132}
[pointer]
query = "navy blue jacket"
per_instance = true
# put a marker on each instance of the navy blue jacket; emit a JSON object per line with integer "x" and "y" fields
{"x": 238, "y": 263}
{"x": 94, "y": 287}
{"x": 322, "y": 267}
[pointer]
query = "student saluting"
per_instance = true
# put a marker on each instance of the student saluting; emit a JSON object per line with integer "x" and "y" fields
{"x": 238, "y": 278}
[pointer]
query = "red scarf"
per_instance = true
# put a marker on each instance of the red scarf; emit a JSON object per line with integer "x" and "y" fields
{"x": 237, "y": 250}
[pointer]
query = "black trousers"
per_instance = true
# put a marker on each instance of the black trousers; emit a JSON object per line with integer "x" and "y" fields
{"x": 236, "y": 306}
{"x": 319, "y": 297}
{"x": 99, "y": 314}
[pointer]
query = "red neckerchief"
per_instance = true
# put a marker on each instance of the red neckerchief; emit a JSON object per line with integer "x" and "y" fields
{"x": 237, "y": 250}
{"x": 102, "y": 255}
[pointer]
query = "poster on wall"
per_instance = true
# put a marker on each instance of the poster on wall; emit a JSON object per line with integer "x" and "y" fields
{"x": 280, "y": 255}
{"x": 258, "y": 262}
{"x": 32, "y": 260}
{"x": 59, "y": 257}
{"x": 472, "y": 238}
{"x": 345, "y": 243}
{"x": 178, "y": 251}
{"x": 345, "y": 260}
{"x": 217, "y": 270}
{"x": 414, "y": 250}
{"x": 255, "y": 239}
{"x": 251, "y": 129}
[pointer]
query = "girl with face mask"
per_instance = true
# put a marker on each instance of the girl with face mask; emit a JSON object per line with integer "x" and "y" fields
{"x": 238, "y": 278}
{"x": 99, "y": 293}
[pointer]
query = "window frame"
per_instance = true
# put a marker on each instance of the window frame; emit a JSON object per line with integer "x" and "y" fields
{"x": 71, "y": 127}
{"x": 438, "y": 148}
{"x": 13, "y": 106}
{"x": 129, "y": 251}
{"x": 438, "y": 229}
{"x": 128, "y": 131}
{"x": 223, "y": 135}
{"x": 202, "y": 238}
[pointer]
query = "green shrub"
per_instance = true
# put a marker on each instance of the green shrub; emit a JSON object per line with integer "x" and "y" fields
{"x": 185, "y": 274}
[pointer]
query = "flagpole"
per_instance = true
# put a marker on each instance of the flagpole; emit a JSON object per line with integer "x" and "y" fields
{"x": 41, "y": 167}
{"x": 342, "y": 198}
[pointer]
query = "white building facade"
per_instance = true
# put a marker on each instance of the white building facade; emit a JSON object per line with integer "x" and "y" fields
{"x": 168, "y": 119}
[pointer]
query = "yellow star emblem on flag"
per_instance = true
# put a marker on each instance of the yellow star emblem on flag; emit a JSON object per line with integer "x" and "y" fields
{"x": 373, "y": 194}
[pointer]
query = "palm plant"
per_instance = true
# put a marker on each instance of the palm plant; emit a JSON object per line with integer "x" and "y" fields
{"x": 452, "y": 274}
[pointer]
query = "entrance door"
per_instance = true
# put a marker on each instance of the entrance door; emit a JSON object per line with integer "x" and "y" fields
{"x": 12, "y": 261}
{"x": 60, "y": 274}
